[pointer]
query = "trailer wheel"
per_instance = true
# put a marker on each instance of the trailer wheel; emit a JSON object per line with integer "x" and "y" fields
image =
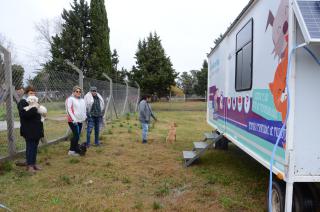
{"x": 315, "y": 193}
{"x": 298, "y": 198}
{"x": 277, "y": 197}
{"x": 305, "y": 198}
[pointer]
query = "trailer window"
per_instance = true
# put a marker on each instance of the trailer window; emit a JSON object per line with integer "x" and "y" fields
{"x": 244, "y": 57}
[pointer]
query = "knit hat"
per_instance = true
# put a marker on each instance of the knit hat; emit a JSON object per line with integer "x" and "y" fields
{"x": 93, "y": 88}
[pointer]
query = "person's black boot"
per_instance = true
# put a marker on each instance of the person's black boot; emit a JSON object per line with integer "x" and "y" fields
{"x": 144, "y": 141}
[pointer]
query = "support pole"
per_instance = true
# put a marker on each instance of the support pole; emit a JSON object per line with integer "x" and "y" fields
{"x": 110, "y": 96}
{"x": 138, "y": 97}
{"x": 126, "y": 99}
{"x": 9, "y": 102}
{"x": 79, "y": 72}
{"x": 290, "y": 156}
{"x": 289, "y": 197}
{"x": 205, "y": 96}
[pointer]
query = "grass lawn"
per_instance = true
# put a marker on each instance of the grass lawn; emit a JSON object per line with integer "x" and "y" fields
{"x": 125, "y": 175}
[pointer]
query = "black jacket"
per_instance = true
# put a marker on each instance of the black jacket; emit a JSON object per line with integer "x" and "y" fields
{"x": 31, "y": 125}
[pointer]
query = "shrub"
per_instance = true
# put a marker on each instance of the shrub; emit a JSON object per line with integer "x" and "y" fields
{"x": 74, "y": 160}
{"x": 65, "y": 179}
{"x": 6, "y": 166}
{"x": 163, "y": 190}
{"x": 156, "y": 205}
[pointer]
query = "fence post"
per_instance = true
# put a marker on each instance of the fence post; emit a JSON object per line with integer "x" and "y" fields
{"x": 126, "y": 99}
{"x": 79, "y": 72}
{"x": 138, "y": 98}
{"x": 110, "y": 96}
{"x": 9, "y": 101}
{"x": 205, "y": 96}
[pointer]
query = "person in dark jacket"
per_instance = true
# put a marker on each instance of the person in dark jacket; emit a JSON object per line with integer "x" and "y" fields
{"x": 31, "y": 129}
{"x": 95, "y": 105}
{"x": 145, "y": 114}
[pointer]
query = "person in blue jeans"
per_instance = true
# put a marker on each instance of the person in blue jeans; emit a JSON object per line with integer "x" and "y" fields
{"x": 31, "y": 129}
{"x": 76, "y": 113}
{"x": 95, "y": 105}
{"x": 145, "y": 114}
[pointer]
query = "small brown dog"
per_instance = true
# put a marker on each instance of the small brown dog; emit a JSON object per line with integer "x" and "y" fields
{"x": 172, "y": 134}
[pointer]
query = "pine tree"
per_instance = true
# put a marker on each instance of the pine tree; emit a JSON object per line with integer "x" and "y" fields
{"x": 202, "y": 77}
{"x": 100, "y": 54}
{"x": 153, "y": 70}
{"x": 73, "y": 42}
{"x": 17, "y": 75}
{"x": 115, "y": 60}
{"x": 186, "y": 83}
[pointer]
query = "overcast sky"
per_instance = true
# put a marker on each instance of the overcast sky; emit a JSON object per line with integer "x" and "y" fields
{"x": 187, "y": 28}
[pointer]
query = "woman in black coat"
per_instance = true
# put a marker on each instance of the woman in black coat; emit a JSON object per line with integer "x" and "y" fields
{"x": 31, "y": 129}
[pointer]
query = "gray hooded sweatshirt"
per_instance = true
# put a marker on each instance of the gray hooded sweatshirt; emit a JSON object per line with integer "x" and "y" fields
{"x": 145, "y": 112}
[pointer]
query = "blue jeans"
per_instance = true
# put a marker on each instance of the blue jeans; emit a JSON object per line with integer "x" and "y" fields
{"x": 31, "y": 151}
{"x": 93, "y": 122}
{"x": 145, "y": 127}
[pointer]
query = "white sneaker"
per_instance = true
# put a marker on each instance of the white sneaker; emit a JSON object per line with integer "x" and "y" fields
{"x": 73, "y": 153}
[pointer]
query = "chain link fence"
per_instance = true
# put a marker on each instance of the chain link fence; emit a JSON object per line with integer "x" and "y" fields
{"x": 52, "y": 90}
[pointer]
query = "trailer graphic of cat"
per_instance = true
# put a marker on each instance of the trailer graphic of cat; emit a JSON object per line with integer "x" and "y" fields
{"x": 279, "y": 24}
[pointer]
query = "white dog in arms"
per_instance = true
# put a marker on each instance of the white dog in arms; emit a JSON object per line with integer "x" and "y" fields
{"x": 33, "y": 102}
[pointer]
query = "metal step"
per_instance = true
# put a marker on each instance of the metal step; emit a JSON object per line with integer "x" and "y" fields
{"x": 187, "y": 155}
{"x": 200, "y": 145}
{"x": 200, "y": 148}
{"x": 210, "y": 135}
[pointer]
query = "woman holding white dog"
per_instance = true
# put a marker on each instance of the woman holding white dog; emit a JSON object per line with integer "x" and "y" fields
{"x": 76, "y": 112}
{"x": 31, "y": 127}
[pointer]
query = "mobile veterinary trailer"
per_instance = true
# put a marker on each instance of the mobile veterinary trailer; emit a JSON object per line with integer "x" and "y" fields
{"x": 264, "y": 67}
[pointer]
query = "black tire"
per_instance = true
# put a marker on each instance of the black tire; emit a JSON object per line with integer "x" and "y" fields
{"x": 298, "y": 198}
{"x": 315, "y": 191}
{"x": 278, "y": 196}
{"x": 306, "y": 198}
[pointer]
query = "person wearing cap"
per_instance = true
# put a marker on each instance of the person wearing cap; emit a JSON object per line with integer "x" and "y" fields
{"x": 94, "y": 105}
{"x": 76, "y": 113}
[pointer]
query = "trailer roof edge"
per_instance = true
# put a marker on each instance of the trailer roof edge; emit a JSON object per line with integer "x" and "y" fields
{"x": 234, "y": 23}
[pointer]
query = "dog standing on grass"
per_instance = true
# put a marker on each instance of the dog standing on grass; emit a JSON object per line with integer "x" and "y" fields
{"x": 172, "y": 134}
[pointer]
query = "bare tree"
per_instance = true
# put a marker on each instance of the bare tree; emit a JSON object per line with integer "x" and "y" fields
{"x": 43, "y": 28}
{"x": 6, "y": 43}
{"x": 46, "y": 29}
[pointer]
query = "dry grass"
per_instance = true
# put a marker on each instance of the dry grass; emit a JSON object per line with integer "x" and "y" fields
{"x": 126, "y": 175}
